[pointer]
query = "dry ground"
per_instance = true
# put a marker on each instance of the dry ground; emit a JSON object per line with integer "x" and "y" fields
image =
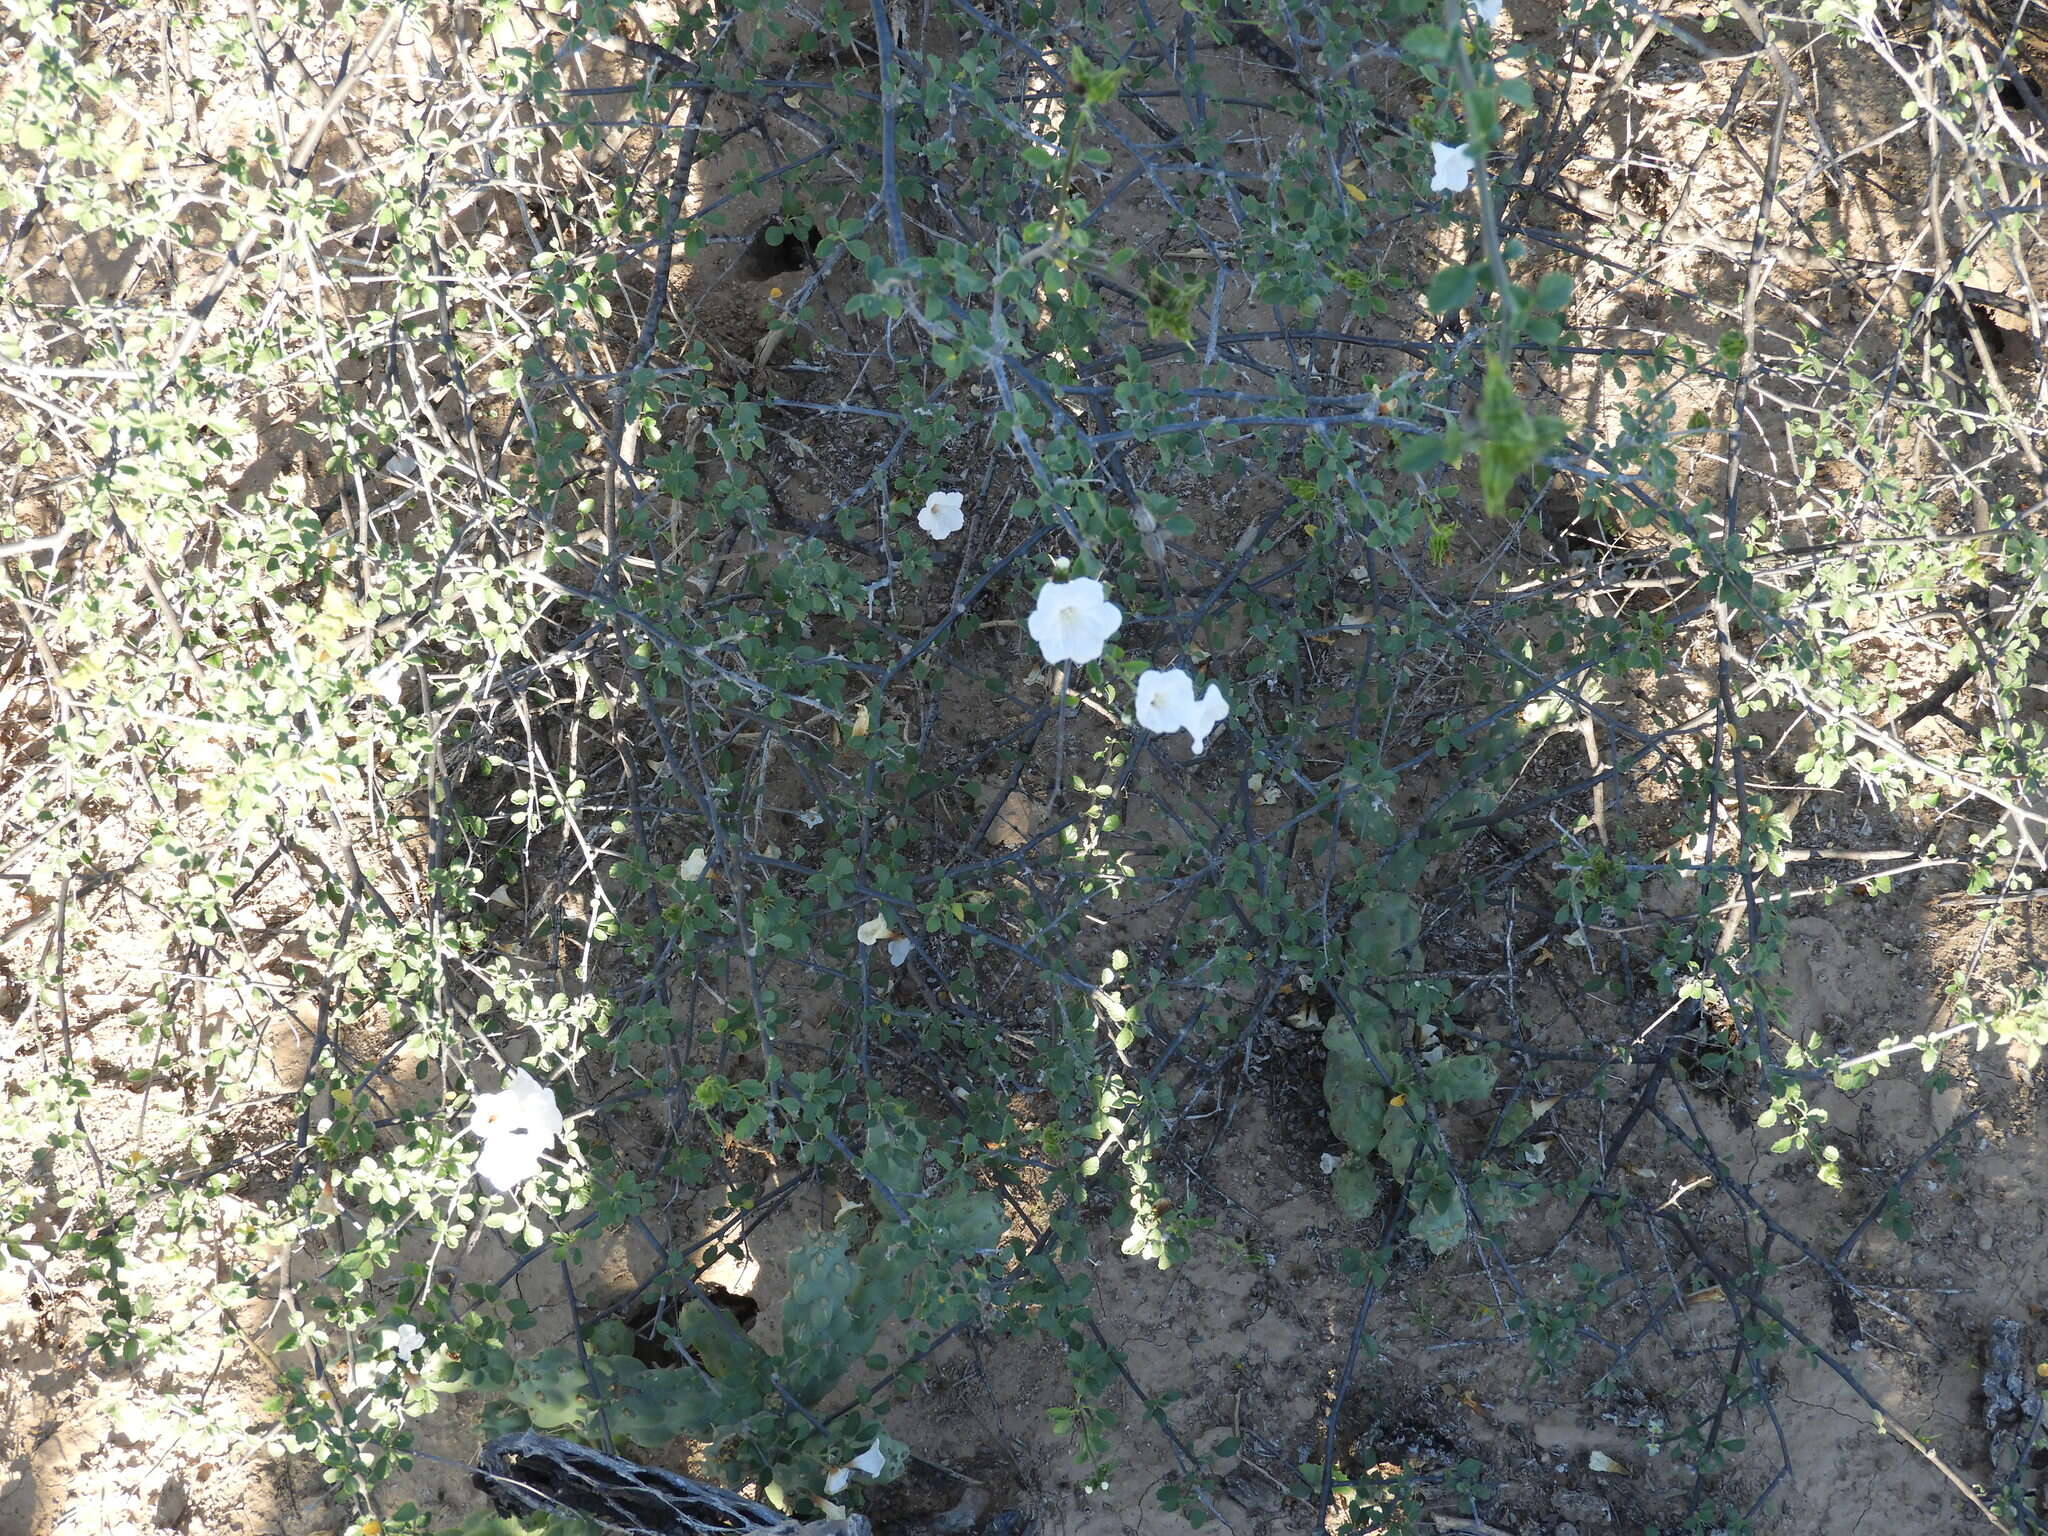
{"x": 1248, "y": 1339}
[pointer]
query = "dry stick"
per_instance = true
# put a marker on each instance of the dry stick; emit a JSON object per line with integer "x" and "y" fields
{"x": 1326, "y": 1484}
{"x": 1848, "y": 1244}
{"x": 1489, "y": 216}
{"x": 1681, "y": 208}
{"x": 597, "y": 1395}
{"x": 300, "y": 162}
{"x": 296, "y": 167}
{"x": 2030, "y": 821}
{"x": 892, "y": 200}
{"x": 1728, "y": 726}
{"x": 38, "y": 546}
{"x": 1728, "y": 1282}
{"x": 1746, "y": 1200}
{"x": 1589, "y": 731}
{"x": 1936, "y": 702}
{"x": 1955, "y": 390}
{"x": 1790, "y": 82}
{"x": 1983, "y": 30}
{"x": 623, "y": 455}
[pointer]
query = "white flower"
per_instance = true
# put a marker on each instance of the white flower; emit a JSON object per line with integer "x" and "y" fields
{"x": 516, "y": 1125}
{"x": 941, "y": 517}
{"x": 1167, "y": 703}
{"x": 1453, "y": 168}
{"x": 1488, "y": 11}
{"x": 692, "y": 868}
{"x": 876, "y": 930}
{"x": 1073, "y": 619}
{"x": 507, "y": 1164}
{"x": 404, "y": 1341}
{"x": 869, "y": 1463}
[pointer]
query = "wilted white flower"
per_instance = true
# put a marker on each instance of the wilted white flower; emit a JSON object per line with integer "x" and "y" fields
{"x": 941, "y": 517}
{"x": 692, "y": 868}
{"x": 1454, "y": 166}
{"x": 1073, "y": 619}
{"x": 387, "y": 680}
{"x": 516, "y": 1125}
{"x": 869, "y": 1463}
{"x": 1487, "y": 11}
{"x": 404, "y": 1341}
{"x": 1167, "y": 703}
{"x": 876, "y": 930}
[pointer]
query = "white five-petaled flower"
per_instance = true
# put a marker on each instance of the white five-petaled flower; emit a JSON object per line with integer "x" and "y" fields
{"x": 516, "y": 1125}
{"x": 1167, "y": 703}
{"x": 941, "y": 517}
{"x": 1073, "y": 619}
{"x": 1454, "y": 165}
{"x": 869, "y": 1463}
{"x": 404, "y": 1341}
{"x": 1488, "y": 11}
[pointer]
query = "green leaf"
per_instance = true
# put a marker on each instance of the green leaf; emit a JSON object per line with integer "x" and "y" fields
{"x": 550, "y": 1391}
{"x": 710, "y": 1338}
{"x": 1402, "y": 1141}
{"x": 821, "y": 1332}
{"x": 1512, "y": 440}
{"x": 1459, "y": 1079}
{"x": 1357, "y": 1111}
{"x": 1452, "y": 288}
{"x": 1440, "y": 1219}
{"x": 1353, "y": 1090}
{"x": 1355, "y": 1187}
{"x": 1553, "y": 290}
{"x": 1427, "y": 42}
{"x": 1383, "y": 932}
{"x": 655, "y": 1406}
{"x": 894, "y": 1160}
{"x": 967, "y": 1221}
{"x": 1418, "y": 455}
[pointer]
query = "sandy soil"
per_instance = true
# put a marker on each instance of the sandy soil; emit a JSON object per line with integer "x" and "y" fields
{"x": 1248, "y": 1340}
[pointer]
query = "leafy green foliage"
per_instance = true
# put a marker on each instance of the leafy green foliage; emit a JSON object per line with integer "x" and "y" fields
{"x": 1387, "y": 1101}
